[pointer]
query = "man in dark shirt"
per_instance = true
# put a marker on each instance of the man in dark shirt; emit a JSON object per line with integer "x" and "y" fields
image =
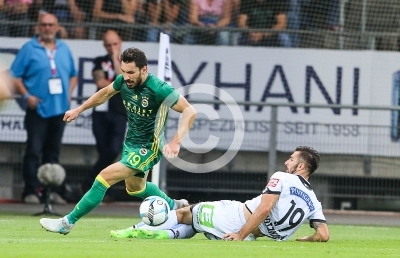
{"x": 262, "y": 14}
{"x": 108, "y": 120}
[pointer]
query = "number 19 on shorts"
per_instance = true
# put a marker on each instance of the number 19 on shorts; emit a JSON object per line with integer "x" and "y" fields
{"x": 134, "y": 159}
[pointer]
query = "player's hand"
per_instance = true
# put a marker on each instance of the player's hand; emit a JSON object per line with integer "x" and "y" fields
{"x": 171, "y": 150}
{"x": 232, "y": 237}
{"x": 302, "y": 239}
{"x": 71, "y": 115}
{"x": 32, "y": 102}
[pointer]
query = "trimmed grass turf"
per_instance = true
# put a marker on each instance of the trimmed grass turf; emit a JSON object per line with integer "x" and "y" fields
{"x": 22, "y": 236}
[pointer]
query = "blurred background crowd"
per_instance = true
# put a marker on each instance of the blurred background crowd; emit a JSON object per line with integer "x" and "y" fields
{"x": 207, "y": 22}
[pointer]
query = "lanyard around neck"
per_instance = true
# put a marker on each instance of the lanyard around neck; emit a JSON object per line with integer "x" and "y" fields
{"x": 50, "y": 55}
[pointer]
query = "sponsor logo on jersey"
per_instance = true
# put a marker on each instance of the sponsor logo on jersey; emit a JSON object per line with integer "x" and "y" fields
{"x": 134, "y": 97}
{"x": 296, "y": 191}
{"x": 273, "y": 182}
{"x": 143, "y": 151}
{"x": 145, "y": 102}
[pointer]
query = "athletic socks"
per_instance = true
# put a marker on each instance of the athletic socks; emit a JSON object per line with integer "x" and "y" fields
{"x": 90, "y": 200}
{"x": 152, "y": 190}
{"x": 181, "y": 231}
{"x": 171, "y": 226}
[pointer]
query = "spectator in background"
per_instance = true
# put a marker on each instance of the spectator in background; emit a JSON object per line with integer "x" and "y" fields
{"x": 14, "y": 10}
{"x": 318, "y": 15}
{"x": 211, "y": 14}
{"x": 234, "y": 36}
{"x": 61, "y": 31}
{"x": 172, "y": 15}
{"x": 69, "y": 11}
{"x": 81, "y": 11}
{"x": 293, "y": 23}
{"x": 152, "y": 11}
{"x": 108, "y": 120}
{"x": 116, "y": 12}
{"x": 60, "y": 8}
{"x": 262, "y": 14}
{"x": 44, "y": 73}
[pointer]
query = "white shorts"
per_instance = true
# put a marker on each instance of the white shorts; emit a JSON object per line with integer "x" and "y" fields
{"x": 215, "y": 219}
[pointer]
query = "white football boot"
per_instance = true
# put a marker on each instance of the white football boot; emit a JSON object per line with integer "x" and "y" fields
{"x": 61, "y": 225}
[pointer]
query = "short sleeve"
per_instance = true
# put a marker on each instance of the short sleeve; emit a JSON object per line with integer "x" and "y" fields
{"x": 317, "y": 216}
{"x": 20, "y": 63}
{"x": 118, "y": 82}
{"x": 167, "y": 94}
{"x": 274, "y": 185}
{"x": 97, "y": 64}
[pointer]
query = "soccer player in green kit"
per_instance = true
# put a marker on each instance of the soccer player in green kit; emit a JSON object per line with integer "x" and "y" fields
{"x": 147, "y": 100}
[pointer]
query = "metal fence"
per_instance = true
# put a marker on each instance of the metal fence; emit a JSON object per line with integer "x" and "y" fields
{"x": 358, "y": 39}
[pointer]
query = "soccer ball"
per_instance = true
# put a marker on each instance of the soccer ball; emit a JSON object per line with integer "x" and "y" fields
{"x": 154, "y": 210}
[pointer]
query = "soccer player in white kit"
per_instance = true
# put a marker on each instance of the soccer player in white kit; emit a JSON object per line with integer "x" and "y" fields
{"x": 285, "y": 203}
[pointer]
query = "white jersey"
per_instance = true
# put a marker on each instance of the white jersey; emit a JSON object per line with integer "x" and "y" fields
{"x": 297, "y": 202}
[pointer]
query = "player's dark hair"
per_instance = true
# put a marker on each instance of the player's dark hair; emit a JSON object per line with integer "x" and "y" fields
{"x": 134, "y": 55}
{"x": 310, "y": 157}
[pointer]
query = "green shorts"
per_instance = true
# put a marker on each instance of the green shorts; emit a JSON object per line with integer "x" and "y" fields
{"x": 140, "y": 157}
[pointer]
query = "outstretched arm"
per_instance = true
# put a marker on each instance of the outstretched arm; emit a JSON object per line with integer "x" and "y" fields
{"x": 267, "y": 202}
{"x": 321, "y": 233}
{"x": 96, "y": 99}
{"x": 171, "y": 150}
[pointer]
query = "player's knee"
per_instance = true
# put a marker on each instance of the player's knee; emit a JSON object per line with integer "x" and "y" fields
{"x": 184, "y": 215}
{"x": 134, "y": 188}
{"x": 135, "y": 184}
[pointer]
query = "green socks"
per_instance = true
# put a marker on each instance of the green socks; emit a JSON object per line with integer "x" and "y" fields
{"x": 152, "y": 190}
{"x": 96, "y": 194}
{"x": 90, "y": 200}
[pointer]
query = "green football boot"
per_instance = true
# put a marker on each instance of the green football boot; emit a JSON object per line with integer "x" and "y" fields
{"x": 149, "y": 234}
{"x": 122, "y": 233}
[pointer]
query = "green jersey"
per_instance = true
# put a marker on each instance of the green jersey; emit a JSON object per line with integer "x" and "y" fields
{"x": 147, "y": 108}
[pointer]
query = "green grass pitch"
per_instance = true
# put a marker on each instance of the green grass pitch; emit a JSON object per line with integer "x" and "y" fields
{"x": 22, "y": 236}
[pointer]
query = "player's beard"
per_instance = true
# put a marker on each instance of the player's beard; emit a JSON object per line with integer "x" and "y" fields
{"x": 138, "y": 82}
{"x": 293, "y": 170}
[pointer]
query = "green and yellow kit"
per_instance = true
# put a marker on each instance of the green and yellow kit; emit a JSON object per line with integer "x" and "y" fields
{"x": 147, "y": 109}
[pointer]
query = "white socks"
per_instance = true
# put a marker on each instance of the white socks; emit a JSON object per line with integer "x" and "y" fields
{"x": 181, "y": 231}
{"x": 175, "y": 230}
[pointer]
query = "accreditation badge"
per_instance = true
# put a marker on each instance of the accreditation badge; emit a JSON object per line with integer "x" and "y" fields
{"x": 55, "y": 86}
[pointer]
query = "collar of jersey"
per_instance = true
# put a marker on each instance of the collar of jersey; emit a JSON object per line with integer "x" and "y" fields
{"x": 305, "y": 182}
